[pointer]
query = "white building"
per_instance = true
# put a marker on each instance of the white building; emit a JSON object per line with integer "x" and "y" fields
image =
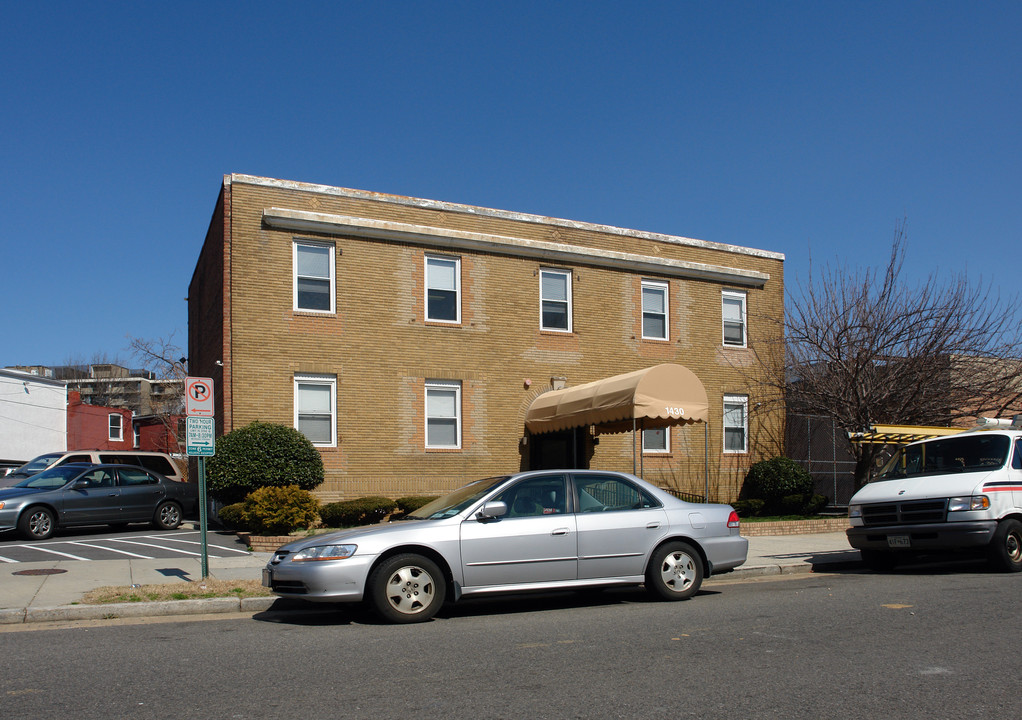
{"x": 33, "y": 416}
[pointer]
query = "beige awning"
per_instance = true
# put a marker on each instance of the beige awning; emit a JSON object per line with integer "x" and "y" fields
{"x": 659, "y": 396}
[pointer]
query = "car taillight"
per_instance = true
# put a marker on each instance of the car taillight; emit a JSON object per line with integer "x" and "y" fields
{"x": 732, "y": 520}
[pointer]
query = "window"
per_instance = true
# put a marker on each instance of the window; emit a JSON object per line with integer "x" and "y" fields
{"x": 656, "y": 440}
{"x": 443, "y": 289}
{"x": 443, "y": 414}
{"x": 555, "y": 300}
{"x": 116, "y": 427}
{"x": 131, "y": 476}
{"x": 137, "y": 436}
{"x": 544, "y": 495}
{"x": 314, "y": 276}
{"x": 654, "y": 310}
{"x": 733, "y": 312}
{"x": 603, "y": 493}
{"x": 315, "y": 405}
{"x": 736, "y": 423}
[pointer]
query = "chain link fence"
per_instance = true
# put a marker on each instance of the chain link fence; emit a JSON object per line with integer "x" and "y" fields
{"x": 816, "y": 442}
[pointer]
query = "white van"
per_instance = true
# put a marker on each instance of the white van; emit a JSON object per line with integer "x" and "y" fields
{"x": 950, "y": 494}
{"x": 159, "y": 462}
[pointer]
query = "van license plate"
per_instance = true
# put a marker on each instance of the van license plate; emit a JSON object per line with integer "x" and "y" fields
{"x": 898, "y": 541}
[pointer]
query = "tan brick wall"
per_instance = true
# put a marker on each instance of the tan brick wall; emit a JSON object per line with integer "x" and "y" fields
{"x": 382, "y": 350}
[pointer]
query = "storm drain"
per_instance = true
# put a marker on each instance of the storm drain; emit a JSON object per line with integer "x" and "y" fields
{"x": 40, "y": 571}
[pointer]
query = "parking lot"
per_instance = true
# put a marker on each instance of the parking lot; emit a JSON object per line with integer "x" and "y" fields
{"x": 102, "y": 544}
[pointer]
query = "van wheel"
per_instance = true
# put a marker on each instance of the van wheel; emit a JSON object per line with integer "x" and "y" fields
{"x": 1005, "y": 551}
{"x": 37, "y": 523}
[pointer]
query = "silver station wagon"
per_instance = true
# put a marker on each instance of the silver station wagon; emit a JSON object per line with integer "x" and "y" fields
{"x": 535, "y": 531}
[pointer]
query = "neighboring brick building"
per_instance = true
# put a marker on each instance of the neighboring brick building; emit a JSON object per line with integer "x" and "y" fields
{"x": 409, "y": 337}
{"x": 96, "y": 427}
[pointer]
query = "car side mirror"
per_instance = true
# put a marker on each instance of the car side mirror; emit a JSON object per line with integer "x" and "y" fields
{"x": 492, "y": 510}
{"x": 80, "y": 485}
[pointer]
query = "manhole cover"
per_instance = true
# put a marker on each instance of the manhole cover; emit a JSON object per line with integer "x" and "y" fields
{"x": 40, "y": 571}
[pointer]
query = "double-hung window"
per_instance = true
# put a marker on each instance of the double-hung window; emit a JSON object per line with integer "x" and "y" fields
{"x": 315, "y": 408}
{"x": 733, "y": 313}
{"x": 736, "y": 423}
{"x": 116, "y": 424}
{"x": 654, "y": 310}
{"x": 443, "y": 289}
{"x": 555, "y": 299}
{"x": 656, "y": 440}
{"x": 443, "y": 414}
{"x": 313, "y": 276}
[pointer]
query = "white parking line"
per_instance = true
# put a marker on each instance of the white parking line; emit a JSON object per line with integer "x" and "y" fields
{"x": 8, "y": 560}
{"x": 110, "y": 549}
{"x": 161, "y": 547}
{"x": 198, "y": 542}
{"x": 55, "y": 552}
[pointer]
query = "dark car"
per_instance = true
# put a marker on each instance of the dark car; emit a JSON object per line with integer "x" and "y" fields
{"x": 85, "y": 494}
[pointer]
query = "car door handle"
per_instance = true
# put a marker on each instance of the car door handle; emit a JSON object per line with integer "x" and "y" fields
{"x": 653, "y": 525}
{"x": 560, "y": 531}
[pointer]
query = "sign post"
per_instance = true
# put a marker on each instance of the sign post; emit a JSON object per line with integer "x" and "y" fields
{"x": 200, "y": 442}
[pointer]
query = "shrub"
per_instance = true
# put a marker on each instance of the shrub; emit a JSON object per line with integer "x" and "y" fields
{"x": 816, "y": 504}
{"x": 748, "y": 508}
{"x": 774, "y": 480}
{"x": 233, "y": 517}
{"x": 361, "y": 511}
{"x": 280, "y": 510}
{"x": 262, "y": 455}
{"x": 408, "y": 505}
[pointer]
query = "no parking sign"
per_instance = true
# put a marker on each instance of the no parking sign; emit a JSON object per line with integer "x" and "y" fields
{"x": 199, "y": 397}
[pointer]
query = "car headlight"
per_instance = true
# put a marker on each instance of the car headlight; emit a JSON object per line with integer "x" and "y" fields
{"x": 974, "y": 502}
{"x": 855, "y": 511}
{"x": 324, "y": 552}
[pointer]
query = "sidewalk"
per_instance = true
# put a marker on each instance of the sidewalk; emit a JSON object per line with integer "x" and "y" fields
{"x": 48, "y": 591}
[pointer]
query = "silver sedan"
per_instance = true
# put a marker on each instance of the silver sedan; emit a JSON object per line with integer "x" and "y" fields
{"x": 543, "y": 530}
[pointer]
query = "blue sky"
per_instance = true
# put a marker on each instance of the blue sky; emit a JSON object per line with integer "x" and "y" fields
{"x": 797, "y": 127}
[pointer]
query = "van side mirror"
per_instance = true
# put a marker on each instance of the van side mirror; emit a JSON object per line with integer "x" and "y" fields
{"x": 492, "y": 510}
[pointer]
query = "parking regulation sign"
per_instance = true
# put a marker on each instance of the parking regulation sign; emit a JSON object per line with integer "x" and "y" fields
{"x": 199, "y": 397}
{"x": 200, "y": 437}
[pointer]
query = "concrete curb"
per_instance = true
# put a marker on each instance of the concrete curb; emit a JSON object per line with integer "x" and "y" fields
{"x": 211, "y": 606}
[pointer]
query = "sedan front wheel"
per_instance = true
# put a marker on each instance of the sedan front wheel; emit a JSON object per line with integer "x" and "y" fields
{"x": 37, "y": 523}
{"x": 407, "y": 589}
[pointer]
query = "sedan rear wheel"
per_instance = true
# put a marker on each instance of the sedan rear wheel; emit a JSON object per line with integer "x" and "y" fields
{"x": 407, "y": 589}
{"x": 675, "y": 572}
{"x": 168, "y": 516}
{"x": 37, "y": 523}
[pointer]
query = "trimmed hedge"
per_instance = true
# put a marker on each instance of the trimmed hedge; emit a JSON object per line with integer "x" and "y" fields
{"x": 408, "y": 505}
{"x": 273, "y": 511}
{"x": 262, "y": 455}
{"x": 361, "y": 511}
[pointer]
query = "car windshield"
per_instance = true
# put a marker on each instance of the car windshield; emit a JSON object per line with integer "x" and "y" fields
{"x": 450, "y": 505}
{"x": 52, "y": 478}
{"x": 37, "y": 465}
{"x": 948, "y": 455}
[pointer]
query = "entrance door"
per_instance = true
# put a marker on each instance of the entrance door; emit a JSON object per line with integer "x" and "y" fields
{"x": 562, "y": 450}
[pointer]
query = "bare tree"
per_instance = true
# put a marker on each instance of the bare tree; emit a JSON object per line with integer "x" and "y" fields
{"x": 164, "y": 359}
{"x": 865, "y": 348}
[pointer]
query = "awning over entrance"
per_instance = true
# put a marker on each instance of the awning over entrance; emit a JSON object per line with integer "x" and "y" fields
{"x": 659, "y": 396}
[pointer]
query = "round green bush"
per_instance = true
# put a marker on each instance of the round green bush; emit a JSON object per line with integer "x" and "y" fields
{"x": 280, "y": 510}
{"x": 232, "y": 517}
{"x": 262, "y": 455}
{"x": 775, "y": 480}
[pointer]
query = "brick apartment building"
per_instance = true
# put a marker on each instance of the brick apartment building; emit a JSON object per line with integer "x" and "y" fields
{"x": 409, "y": 338}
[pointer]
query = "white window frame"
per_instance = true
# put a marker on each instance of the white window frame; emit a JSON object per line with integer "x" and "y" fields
{"x": 666, "y": 290}
{"x": 567, "y": 275}
{"x": 741, "y": 297}
{"x": 111, "y": 430}
{"x": 443, "y": 386}
{"x": 655, "y": 450}
{"x": 743, "y": 402}
{"x": 331, "y": 263}
{"x": 322, "y": 380}
{"x": 456, "y": 261}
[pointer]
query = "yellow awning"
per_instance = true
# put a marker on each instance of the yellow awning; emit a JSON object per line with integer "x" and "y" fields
{"x": 901, "y": 434}
{"x": 659, "y": 396}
